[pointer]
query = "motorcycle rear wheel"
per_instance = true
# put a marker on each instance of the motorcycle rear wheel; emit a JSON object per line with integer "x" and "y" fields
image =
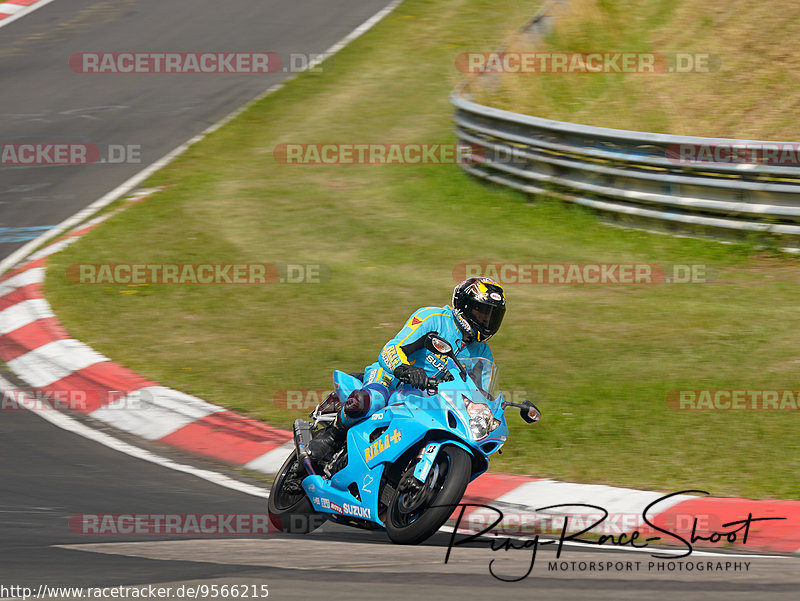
{"x": 289, "y": 512}
{"x": 411, "y": 520}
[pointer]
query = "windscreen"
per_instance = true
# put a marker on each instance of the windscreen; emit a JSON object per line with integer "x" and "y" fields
{"x": 484, "y": 373}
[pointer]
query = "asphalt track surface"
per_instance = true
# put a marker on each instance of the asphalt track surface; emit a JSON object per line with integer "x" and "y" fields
{"x": 48, "y": 474}
{"x": 44, "y": 101}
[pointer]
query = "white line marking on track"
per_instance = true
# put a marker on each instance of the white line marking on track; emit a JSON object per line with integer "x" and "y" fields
{"x": 52, "y": 249}
{"x": 357, "y": 32}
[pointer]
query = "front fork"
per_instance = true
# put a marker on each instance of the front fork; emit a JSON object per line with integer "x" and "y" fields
{"x": 426, "y": 459}
{"x": 428, "y": 455}
{"x": 412, "y": 486}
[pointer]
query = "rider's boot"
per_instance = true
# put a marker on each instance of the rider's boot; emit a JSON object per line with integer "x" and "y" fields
{"x": 328, "y": 439}
{"x": 355, "y": 409}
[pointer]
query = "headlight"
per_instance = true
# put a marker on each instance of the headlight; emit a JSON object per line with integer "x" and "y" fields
{"x": 481, "y": 420}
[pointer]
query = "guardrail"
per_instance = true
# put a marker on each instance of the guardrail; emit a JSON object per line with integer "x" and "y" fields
{"x": 636, "y": 175}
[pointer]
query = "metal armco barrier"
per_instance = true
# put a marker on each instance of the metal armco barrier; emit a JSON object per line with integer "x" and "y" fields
{"x": 638, "y": 177}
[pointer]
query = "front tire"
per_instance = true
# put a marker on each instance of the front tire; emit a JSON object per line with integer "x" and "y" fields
{"x": 410, "y": 518}
{"x": 289, "y": 511}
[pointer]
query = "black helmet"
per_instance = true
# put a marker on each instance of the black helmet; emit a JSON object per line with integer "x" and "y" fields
{"x": 480, "y": 303}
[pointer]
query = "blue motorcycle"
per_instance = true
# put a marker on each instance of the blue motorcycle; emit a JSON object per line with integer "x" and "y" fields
{"x": 405, "y": 468}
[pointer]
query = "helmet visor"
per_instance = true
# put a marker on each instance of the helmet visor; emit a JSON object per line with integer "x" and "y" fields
{"x": 487, "y": 317}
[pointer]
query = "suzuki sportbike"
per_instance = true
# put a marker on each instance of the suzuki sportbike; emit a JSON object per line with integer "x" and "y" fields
{"x": 406, "y": 467}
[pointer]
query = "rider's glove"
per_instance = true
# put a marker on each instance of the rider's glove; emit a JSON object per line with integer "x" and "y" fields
{"x": 415, "y": 376}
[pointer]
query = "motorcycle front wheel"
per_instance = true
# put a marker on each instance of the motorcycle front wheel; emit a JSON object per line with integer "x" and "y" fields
{"x": 415, "y": 514}
{"x": 288, "y": 507}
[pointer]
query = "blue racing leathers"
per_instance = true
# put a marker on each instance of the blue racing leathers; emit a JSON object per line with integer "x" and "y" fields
{"x": 408, "y": 347}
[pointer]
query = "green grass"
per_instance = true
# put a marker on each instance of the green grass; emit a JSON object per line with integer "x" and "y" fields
{"x": 599, "y": 360}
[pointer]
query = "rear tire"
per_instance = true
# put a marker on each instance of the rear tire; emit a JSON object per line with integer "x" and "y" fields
{"x": 289, "y": 512}
{"x": 410, "y": 526}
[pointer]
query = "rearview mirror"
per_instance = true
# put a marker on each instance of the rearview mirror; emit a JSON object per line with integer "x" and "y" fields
{"x": 435, "y": 344}
{"x": 529, "y": 412}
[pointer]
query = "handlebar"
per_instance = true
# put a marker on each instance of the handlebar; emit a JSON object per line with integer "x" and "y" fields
{"x": 433, "y": 383}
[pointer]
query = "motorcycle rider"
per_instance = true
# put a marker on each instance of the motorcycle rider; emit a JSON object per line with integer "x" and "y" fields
{"x": 477, "y": 311}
